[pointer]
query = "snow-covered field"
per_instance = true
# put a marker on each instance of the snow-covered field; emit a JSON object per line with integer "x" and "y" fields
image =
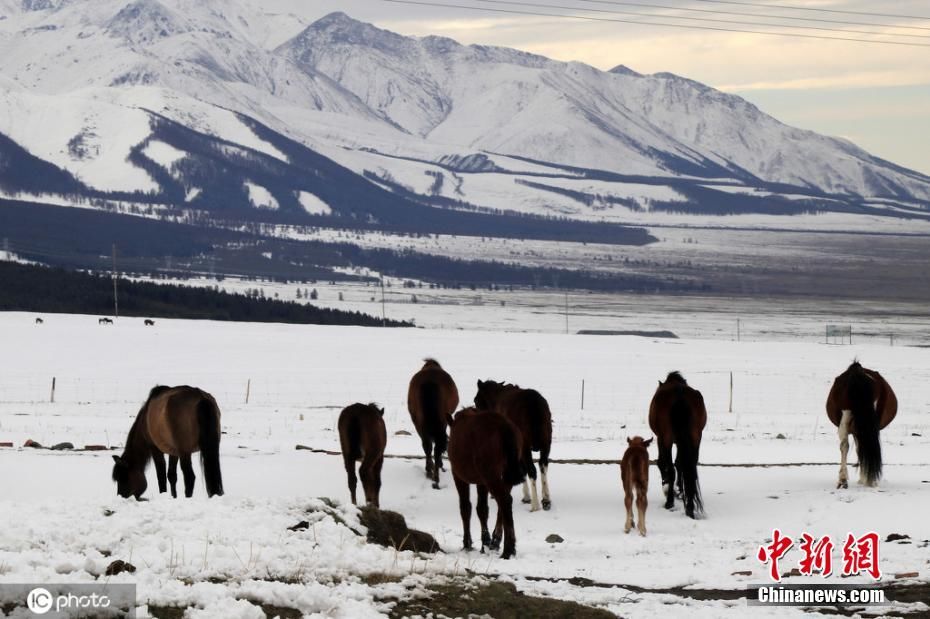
{"x": 222, "y": 557}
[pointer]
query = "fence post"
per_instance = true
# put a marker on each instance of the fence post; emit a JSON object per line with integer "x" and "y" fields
{"x": 731, "y": 392}
{"x": 582, "y": 394}
{"x": 52, "y": 397}
{"x": 248, "y": 389}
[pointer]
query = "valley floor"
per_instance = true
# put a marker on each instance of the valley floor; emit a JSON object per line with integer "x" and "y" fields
{"x": 284, "y": 385}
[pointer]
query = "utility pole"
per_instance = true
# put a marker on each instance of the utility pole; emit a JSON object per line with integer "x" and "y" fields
{"x": 115, "y": 298}
{"x": 566, "y": 313}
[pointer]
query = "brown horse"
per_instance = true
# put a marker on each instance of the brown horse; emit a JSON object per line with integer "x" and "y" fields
{"x": 484, "y": 449}
{"x": 634, "y": 474}
{"x": 431, "y": 397}
{"x": 677, "y": 416}
{"x": 861, "y": 403}
{"x": 363, "y": 437}
{"x": 176, "y": 421}
{"x": 529, "y": 412}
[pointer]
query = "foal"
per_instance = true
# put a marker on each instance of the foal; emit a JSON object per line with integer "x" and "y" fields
{"x": 634, "y": 473}
{"x": 431, "y": 396}
{"x": 363, "y": 436}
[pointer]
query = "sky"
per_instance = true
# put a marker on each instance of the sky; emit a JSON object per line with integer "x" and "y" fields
{"x": 877, "y": 96}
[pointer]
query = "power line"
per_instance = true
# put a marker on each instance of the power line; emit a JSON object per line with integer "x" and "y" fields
{"x": 698, "y": 19}
{"x": 765, "y": 15}
{"x": 789, "y": 7}
{"x": 652, "y": 23}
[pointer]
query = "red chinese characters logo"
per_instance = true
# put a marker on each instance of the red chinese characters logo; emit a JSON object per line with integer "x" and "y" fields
{"x": 860, "y": 555}
{"x": 775, "y": 551}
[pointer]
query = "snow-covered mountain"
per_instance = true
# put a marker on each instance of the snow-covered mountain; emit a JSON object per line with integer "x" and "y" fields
{"x": 221, "y": 104}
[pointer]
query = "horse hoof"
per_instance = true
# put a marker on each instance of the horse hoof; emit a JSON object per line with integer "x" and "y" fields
{"x": 642, "y": 534}
{"x": 508, "y": 554}
{"x": 436, "y": 485}
{"x": 842, "y": 485}
{"x": 526, "y": 500}
{"x": 547, "y": 504}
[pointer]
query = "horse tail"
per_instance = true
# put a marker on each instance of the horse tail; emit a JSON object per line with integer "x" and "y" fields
{"x": 352, "y": 439}
{"x": 433, "y": 415}
{"x": 208, "y": 423}
{"x": 862, "y": 402}
{"x": 513, "y": 465}
{"x": 687, "y": 455}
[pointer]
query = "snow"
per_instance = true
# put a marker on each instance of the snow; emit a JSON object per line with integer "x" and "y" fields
{"x": 312, "y": 204}
{"x": 260, "y": 197}
{"x": 213, "y": 554}
{"x": 163, "y": 154}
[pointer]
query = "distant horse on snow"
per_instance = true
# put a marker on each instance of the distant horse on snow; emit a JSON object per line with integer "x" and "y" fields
{"x": 677, "y": 417}
{"x": 363, "y": 436}
{"x": 861, "y": 403}
{"x": 484, "y": 449}
{"x": 634, "y": 475}
{"x": 530, "y": 413}
{"x": 431, "y": 398}
{"x": 177, "y": 421}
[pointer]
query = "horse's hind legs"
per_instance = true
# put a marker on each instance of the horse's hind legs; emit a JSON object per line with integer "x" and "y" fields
{"x": 428, "y": 450}
{"x": 544, "y": 473}
{"x": 641, "y": 504}
{"x": 628, "y": 503}
{"x": 437, "y": 465}
{"x": 352, "y": 479}
{"x": 173, "y": 475}
{"x": 189, "y": 476}
{"x": 530, "y": 484}
{"x": 464, "y": 511}
{"x": 482, "y": 510}
{"x": 845, "y": 420}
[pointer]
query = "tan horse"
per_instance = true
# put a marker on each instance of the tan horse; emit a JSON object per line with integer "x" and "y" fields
{"x": 861, "y": 403}
{"x": 363, "y": 436}
{"x": 484, "y": 449}
{"x": 634, "y": 475}
{"x": 677, "y": 417}
{"x": 431, "y": 397}
{"x": 177, "y": 421}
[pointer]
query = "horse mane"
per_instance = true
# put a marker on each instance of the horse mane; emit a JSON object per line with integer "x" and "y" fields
{"x": 136, "y": 447}
{"x": 430, "y": 362}
{"x": 676, "y": 376}
{"x": 855, "y": 365}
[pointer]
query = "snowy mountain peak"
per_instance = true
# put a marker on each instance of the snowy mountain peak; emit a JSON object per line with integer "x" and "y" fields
{"x": 621, "y": 69}
{"x": 146, "y": 21}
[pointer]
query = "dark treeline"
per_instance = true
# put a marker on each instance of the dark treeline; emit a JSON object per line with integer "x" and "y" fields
{"x": 32, "y": 288}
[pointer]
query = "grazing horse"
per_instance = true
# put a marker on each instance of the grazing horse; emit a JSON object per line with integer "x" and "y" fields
{"x": 149, "y": 322}
{"x": 677, "y": 416}
{"x": 634, "y": 474}
{"x": 861, "y": 403}
{"x": 104, "y": 321}
{"x": 39, "y": 321}
{"x": 176, "y": 421}
{"x": 529, "y": 412}
{"x": 363, "y": 437}
{"x": 431, "y": 398}
{"x": 484, "y": 449}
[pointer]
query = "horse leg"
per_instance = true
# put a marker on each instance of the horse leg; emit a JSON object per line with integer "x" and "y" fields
{"x": 668, "y": 475}
{"x": 544, "y": 473}
{"x": 428, "y": 450}
{"x": 843, "y": 481}
{"x": 437, "y": 464}
{"x": 375, "y": 473}
{"x": 628, "y": 503}
{"x": 159, "y": 459}
{"x": 189, "y": 476}
{"x": 482, "y": 510}
{"x": 173, "y": 475}
{"x": 862, "y": 479}
{"x": 531, "y": 473}
{"x": 464, "y": 510}
{"x": 505, "y": 514}
{"x": 641, "y": 503}
{"x": 350, "y": 473}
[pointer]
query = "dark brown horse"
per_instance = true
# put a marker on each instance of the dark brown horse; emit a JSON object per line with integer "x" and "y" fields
{"x": 677, "y": 416}
{"x": 484, "y": 449}
{"x": 861, "y": 403}
{"x": 634, "y": 475}
{"x": 431, "y": 398}
{"x": 529, "y": 412}
{"x": 363, "y": 437}
{"x": 176, "y": 421}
